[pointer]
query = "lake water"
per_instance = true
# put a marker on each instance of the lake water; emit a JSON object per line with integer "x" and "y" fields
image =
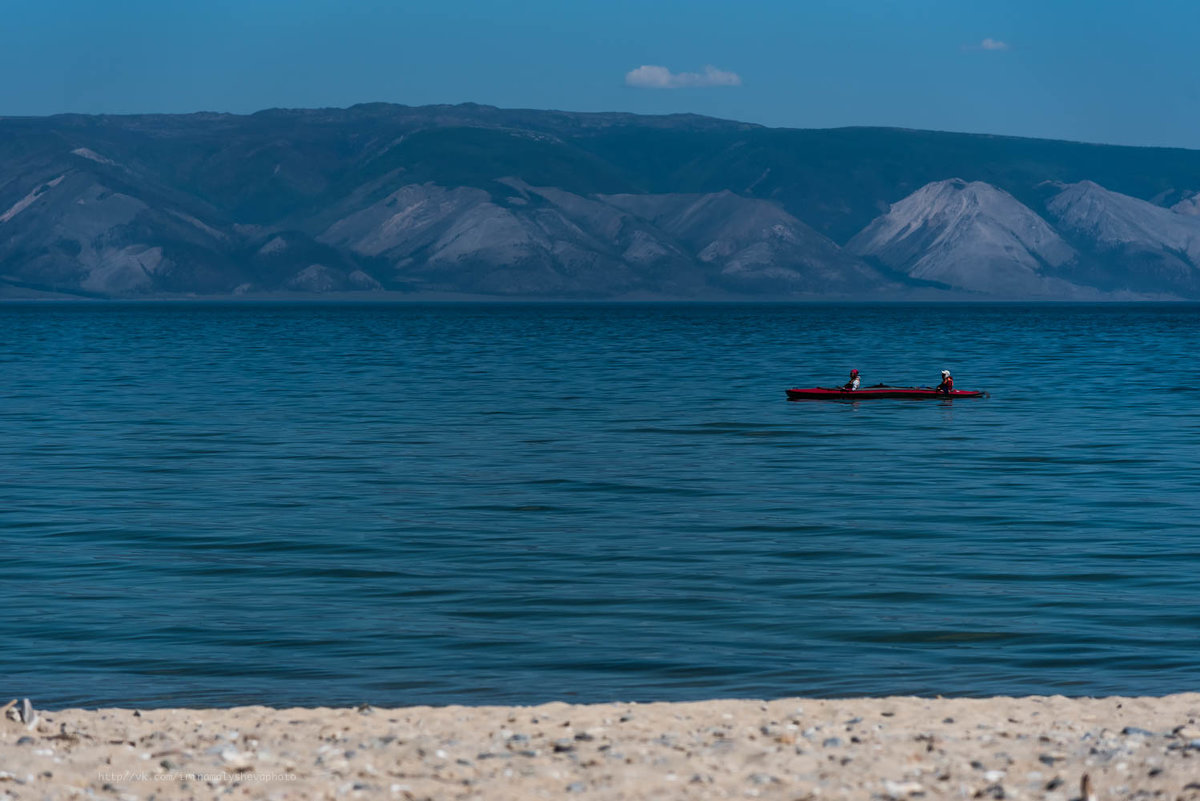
{"x": 398, "y": 504}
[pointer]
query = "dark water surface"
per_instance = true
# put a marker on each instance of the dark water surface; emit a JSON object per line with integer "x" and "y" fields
{"x": 320, "y": 504}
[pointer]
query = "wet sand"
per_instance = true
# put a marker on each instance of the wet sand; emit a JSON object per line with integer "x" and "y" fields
{"x": 792, "y": 748}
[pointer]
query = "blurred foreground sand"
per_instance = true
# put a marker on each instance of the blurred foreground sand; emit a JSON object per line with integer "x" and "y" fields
{"x": 793, "y": 748}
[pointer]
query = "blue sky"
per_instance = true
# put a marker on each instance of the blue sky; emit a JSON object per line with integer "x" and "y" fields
{"x": 1096, "y": 71}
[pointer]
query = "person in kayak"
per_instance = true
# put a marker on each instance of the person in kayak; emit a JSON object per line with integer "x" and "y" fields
{"x": 947, "y": 385}
{"x": 852, "y": 384}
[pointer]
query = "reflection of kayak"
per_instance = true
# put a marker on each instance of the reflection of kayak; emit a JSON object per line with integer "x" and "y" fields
{"x": 878, "y": 391}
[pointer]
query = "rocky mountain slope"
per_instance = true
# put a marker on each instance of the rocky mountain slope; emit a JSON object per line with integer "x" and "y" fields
{"x": 1189, "y": 204}
{"x": 1087, "y": 243}
{"x": 522, "y": 239}
{"x": 479, "y": 200}
{"x": 971, "y": 236}
{"x": 1132, "y": 243}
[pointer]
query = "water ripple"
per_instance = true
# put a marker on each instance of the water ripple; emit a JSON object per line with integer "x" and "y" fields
{"x": 220, "y": 504}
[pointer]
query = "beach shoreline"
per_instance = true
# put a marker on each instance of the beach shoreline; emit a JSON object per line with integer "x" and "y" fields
{"x": 791, "y": 748}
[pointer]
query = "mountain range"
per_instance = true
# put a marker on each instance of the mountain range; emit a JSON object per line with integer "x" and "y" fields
{"x": 475, "y": 201}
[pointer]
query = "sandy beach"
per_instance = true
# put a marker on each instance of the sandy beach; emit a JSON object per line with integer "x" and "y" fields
{"x": 795, "y": 748}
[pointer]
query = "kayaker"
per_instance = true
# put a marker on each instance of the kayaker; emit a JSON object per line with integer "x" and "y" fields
{"x": 852, "y": 384}
{"x": 947, "y": 384}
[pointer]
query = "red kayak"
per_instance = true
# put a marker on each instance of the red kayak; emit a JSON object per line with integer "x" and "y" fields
{"x": 878, "y": 391}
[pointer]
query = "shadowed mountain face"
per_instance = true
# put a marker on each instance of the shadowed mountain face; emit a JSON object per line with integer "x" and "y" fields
{"x": 473, "y": 199}
{"x": 754, "y": 246}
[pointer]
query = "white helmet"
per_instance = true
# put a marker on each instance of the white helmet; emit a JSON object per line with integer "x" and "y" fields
{"x": 945, "y": 373}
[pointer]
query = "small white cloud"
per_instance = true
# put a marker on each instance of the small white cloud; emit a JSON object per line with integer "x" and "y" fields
{"x": 649, "y": 76}
{"x": 993, "y": 44}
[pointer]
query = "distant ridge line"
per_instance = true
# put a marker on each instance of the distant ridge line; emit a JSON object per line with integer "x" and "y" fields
{"x": 481, "y": 200}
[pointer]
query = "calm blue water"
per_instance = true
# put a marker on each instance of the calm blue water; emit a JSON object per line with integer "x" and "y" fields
{"x": 221, "y": 504}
